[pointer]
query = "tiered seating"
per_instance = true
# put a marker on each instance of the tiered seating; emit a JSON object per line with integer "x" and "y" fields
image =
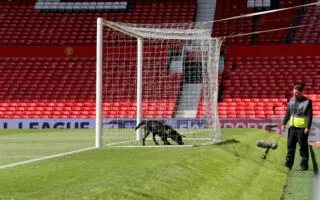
{"x": 261, "y": 86}
{"x": 47, "y": 87}
{"x": 22, "y": 24}
{"x": 277, "y": 20}
{"x": 172, "y": 11}
{"x": 290, "y": 3}
{"x": 230, "y": 8}
{"x": 316, "y": 103}
{"x": 201, "y": 106}
{"x": 252, "y": 108}
{"x": 273, "y": 21}
{"x": 59, "y": 87}
{"x": 308, "y": 34}
{"x": 160, "y": 90}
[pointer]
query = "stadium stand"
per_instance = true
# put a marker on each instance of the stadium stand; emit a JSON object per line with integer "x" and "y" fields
{"x": 64, "y": 87}
{"x": 265, "y": 83}
{"x": 259, "y": 87}
{"x": 274, "y": 21}
{"x": 231, "y": 8}
{"x": 201, "y": 107}
{"x": 292, "y": 17}
{"x": 308, "y": 34}
{"x": 61, "y": 87}
{"x": 24, "y": 25}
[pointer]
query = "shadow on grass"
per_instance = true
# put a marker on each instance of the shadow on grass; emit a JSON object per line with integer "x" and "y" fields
{"x": 230, "y": 141}
{"x": 314, "y": 161}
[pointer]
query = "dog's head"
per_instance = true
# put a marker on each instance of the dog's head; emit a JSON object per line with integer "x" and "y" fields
{"x": 179, "y": 140}
{"x": 137, "y": 127}
{"x": 175, "y": 136}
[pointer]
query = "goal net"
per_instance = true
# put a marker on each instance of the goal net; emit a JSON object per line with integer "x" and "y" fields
{"x": 163, "y": 72}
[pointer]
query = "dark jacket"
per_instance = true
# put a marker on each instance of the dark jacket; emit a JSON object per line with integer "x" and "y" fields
{"x": 299, "y": 108}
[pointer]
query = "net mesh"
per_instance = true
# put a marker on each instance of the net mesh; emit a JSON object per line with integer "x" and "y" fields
{"x": 179, "y": 81}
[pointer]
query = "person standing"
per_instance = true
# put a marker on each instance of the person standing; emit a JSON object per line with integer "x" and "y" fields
{"x": 299, "y": 116}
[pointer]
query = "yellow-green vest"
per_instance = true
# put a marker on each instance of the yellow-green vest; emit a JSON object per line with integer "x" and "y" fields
{"x": 298, "y": 117}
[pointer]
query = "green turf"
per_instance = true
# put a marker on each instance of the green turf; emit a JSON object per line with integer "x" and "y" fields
{"x": 19, "y": 145}
{"x": 230, "y": 170}
{"x": 300, "y": 184}
{"x": 118, "y": 135}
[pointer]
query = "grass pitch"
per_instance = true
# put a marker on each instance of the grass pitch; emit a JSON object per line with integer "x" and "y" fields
{"x": 20, "y": 145}
{"x": 230, "y": 170}
{"x": 300, "y": 184}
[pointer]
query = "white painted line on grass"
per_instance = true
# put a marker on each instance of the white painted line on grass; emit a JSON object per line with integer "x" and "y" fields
{"x": 157, "y": 146}
{"x": 192, "y": 139}
{"x": 45, "y": 158}
{"x": 21, "y": 156}
{"x": 87, "y": 149}
{"x": 108, "y": 145}
{"x": 55, "y": 156}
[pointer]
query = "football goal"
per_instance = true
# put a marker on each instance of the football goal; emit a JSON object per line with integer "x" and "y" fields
{"x": 162, "y": 72}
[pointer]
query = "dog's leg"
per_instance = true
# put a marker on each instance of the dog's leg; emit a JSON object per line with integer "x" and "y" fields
{"x": 154, "y": 138}
{"x": 165, "y": 140}
{"x": 178, "y": 140}
{"x": 146, "y": 133}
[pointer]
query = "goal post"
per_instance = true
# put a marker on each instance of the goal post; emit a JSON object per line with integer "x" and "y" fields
{"x": 139, "y": 84}
{"x": 98, "y": 138}
{"x": 163, "y": 72}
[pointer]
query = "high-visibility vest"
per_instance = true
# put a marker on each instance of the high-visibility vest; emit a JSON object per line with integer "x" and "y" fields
{"x": 298, "y": 117}
{"x": 298, "y": 122}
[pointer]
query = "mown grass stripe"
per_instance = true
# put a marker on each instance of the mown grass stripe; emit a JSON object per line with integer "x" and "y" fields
{"x": 230, "y": 170}
{"x": 45, "y": 158}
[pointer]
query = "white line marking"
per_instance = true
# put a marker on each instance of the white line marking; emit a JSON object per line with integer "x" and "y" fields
{"x": 45, "y": 158}
{"x": 87, "y": 149}
{"x": 157, "y": 146}
{"x": 55, "y": 156}
{"x": 107, "y": 145}
{"x": 192, "y": 139}
{"x": 21, "y": 156}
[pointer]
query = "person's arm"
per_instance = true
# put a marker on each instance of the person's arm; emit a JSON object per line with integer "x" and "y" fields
{"x": 286, "y": 117}
{"x": 309, "y": 115}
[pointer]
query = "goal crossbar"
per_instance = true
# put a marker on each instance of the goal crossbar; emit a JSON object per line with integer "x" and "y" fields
{"x": 196, "y": 41}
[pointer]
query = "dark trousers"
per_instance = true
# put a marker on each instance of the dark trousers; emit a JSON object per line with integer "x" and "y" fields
{"x": 297, "y": 135}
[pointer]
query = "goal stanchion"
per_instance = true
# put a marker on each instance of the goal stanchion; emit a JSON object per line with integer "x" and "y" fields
{"x": 163, "y": 72}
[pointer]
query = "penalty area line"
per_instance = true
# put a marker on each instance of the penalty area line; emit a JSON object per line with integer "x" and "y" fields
{"x": 157, "y": 146}
{"x": 8, "y": 157}
{"x": 45, "y": 158}
{"x": 54, "y": 156}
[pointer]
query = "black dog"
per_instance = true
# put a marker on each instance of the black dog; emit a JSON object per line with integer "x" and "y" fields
{"x": 162, "y": 130}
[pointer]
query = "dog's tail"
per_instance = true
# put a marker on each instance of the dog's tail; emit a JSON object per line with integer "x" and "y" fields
{"x": 140, "y": 124}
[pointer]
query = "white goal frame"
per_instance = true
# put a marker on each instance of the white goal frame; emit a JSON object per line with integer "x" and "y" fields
{"x": 99, "y": 75}
{"x": 100, "y": 23}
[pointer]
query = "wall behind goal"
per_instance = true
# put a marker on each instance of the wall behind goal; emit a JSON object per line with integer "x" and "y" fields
{"x": 48, "y": 51}
{"x": 273, "y": 50}
{"x": 232, "y": 51}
